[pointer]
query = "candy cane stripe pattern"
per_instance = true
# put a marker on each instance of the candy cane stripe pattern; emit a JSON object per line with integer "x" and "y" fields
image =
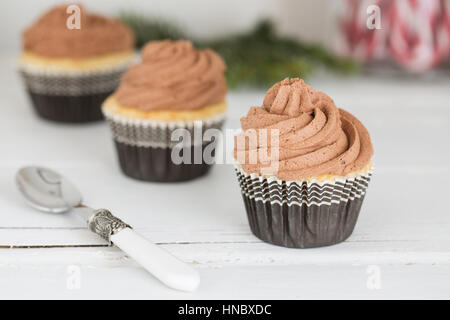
{"x": 415, "y": 33}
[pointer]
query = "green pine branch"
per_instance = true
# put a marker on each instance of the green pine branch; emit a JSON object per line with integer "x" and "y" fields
{"x": 257, "y": 58}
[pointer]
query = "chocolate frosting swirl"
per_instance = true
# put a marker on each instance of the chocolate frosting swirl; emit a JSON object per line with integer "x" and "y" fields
{"x": 50, "y": 37}
{"x": 315, "y": 137}
{"x": 174, "y": 75}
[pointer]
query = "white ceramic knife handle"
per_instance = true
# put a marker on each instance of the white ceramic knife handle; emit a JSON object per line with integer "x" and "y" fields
{"x": 168, "y": 269}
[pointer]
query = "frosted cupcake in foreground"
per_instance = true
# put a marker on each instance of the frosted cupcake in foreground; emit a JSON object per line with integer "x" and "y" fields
{"x": 70, "y": 72}
{"x": 175, "y": 87}
{"x": 305, "y": 175}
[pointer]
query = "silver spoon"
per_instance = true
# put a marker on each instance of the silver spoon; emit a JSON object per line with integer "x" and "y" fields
{"x": 46, "y": 190}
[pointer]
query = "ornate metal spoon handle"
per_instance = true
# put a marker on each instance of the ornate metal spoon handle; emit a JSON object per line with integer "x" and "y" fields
{"x": 103, "y": 223}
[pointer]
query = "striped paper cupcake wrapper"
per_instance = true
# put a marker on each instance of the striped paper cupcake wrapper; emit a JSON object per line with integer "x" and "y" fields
{"x": 70, "y": 96}
{"x": 303, "y": 214}
{"x": 145, "y": 147}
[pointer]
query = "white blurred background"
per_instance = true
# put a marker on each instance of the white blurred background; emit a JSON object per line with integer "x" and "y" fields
{"x": 414, "y": 34}
{"x": 310, "y": 20}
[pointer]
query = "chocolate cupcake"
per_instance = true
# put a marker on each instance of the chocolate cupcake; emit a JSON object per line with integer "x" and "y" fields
{"x": 303, "y": 166}
{"x": 177, "y": 88}
{"x": 68, "y": 73}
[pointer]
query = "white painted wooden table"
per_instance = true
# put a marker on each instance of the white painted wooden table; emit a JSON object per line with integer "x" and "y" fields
{"x": 404, "y": 229}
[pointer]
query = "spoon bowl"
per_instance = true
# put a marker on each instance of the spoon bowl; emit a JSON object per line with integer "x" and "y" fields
{"x": 47, "y": 191}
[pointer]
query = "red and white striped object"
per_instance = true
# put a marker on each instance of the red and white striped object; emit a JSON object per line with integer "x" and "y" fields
{"x": 415, "y": 33}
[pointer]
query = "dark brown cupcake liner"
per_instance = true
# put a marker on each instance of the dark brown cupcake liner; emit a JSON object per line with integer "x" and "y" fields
{"x": 69, "y": 109}
{"x": 155, "y": 165}
{"x": 303, "y": 214}
{"x": 145, "y": 148}
{"x": 70, "y": 97}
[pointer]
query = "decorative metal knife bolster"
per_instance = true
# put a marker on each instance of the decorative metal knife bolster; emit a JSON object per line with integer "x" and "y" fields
{"x": 103, "y": 223}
